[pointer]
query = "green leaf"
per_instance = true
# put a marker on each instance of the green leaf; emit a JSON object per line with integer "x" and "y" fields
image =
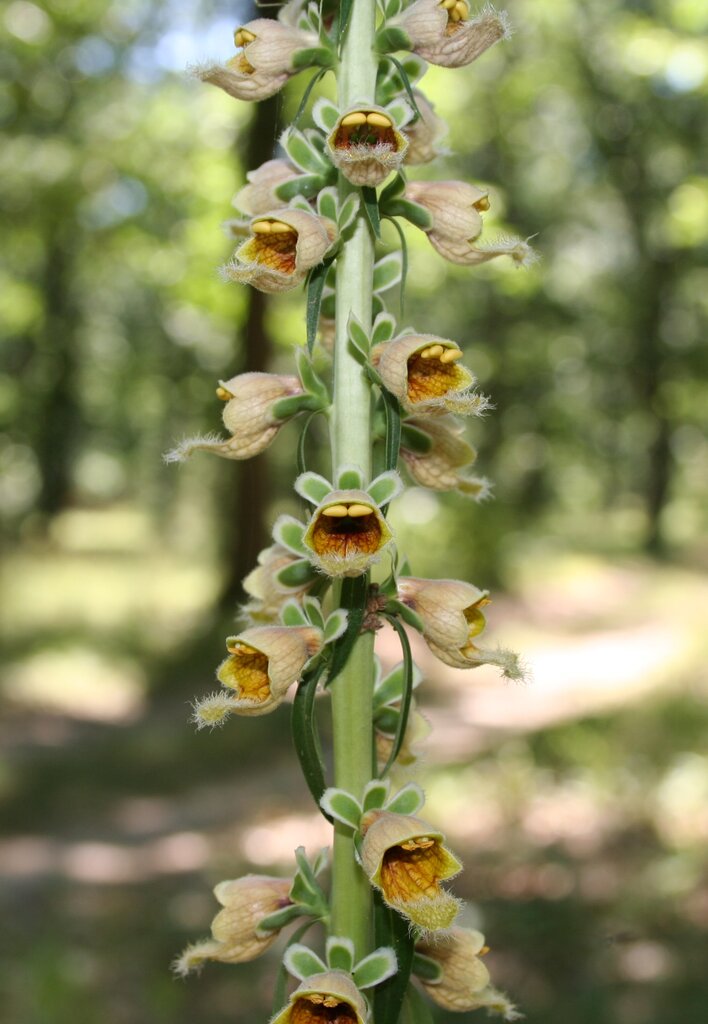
{"x": 302, "y": 153}
{"x": 352, "y": 598}
{"x": 405, "y": 78}
{"x": 305, "y": 737}
{"x": 393, "y": 190}
{"x": 375, "y": 968}
{"x": 404, "y": 259}
{"x": 335, "y": 626}
{"x": 375, "y": 795}
{"x": 387, "y": 272}
{"x": 325, "y": 115}
{"x": 302, "y": 962}
{"x": 313, "y": 611}
{"x": 312, "y": 56}
{"x": 406, "y": 694}
{"x": 385, "y": 487}
{"x": 357, "y": 335}
{"x": 392, "y": 413}
{"x": 277, "y": 920}
{"x": 415, "y": 1009}
{"x": 286, "y": 408}
{"x": 301, "y": 461}
{"x": 289, "y": 532}
{"x": 408, "y": 800}
{"x": 415, "y": 440}
{"x": 306, "y": 94}
{"x": 413, "y": 212}
{"x": 384, "y": 328}
{"x": 342, "y": 806}
{"x": 426, "y": 968}
{"x": 390, "y": 688}
{"x": 307, "y": 185}
{"x": 391, "y": 929}
{"x": 313, "y": 487}
{"x": 315, "y": 284}
{"x": 371, "y": 209}
{"x": 327, "y": 203}
{"x": 340, "y": 953}
{"x": 349, "y": 478}
{"x": 292, "y": 614}
{"x": 391, "y": 39}
{"x": 400, "y": 112}
{"x": 281, "y": 983}
{"x": 297, "y": 574}
{"x": 387, "y": 720}
{"x": 306, "y": 871}
{"x": 392, "y": 8}
{"x": 348, "y": 211}
{"x": 402, "y": 610}
{"x": 310, "y": 381}
{"x": 345, "y": 10}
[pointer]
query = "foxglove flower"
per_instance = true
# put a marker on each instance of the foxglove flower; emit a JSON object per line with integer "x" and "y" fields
{"x": 464, "y": 982}
{"x": 266, "y": 594}
{"x": 424, "y": 133}
{"x": 248, "y": 416}
{"x": 264, "y": 62}
{"x": 328, "y": 997}
{"x": 417, "y": 729}
{"x": 456, "y": 209}
{"x": 405, "y": 859}
{"x": 346, "y": 533}
{"x": 264, "y": 662}
{"x": 235, "y": 937}
{"x": 423, "y": 373}
{"x": 366, "y": 145}
{"x": 283, "y": 246}
{"x": 259, "y": 196}
{"x": 441, "y": 31}
{"x": 439, "y": 467}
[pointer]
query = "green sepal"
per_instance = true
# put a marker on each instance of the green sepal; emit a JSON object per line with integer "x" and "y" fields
{"x": 307, "y": 871}
{"x": 335, "y": 626}
{"x": 415, "y": 440}
{"x": 413, "y": 212}
{"x": 315, "y": 286}
{"x": 353, "y": 597}
{"x": 358, "y": 337}
{"x": 392, "y": 8}
{"x": 302, "y": 153}
{"x": 313, "y": 487}
{"x": 309, "y": 379}
{"x": 390, "y": 688}
{"x": 305, "y": 737}
{"x": 389, "y": 40}
{"x": 281, "y": 981}
{"x": 340, "y": 953}
{"x": 402, "y": 610}
{"x": 385, "y": 487}
{"x": 297, "y": 574}
{"x": 426, "y": 968}
{"x": 312, "y": 57}
{"x": 387, "y": 272}
{"x": 371, "y": 209}
{"x": 387, "y": 720}
{"x": 307, "y": 185}
{"x": 383, "y": 329}
{"x": 328, "y": 203}
{"x": 325, "y": 114}
{"x": 347, "y": 212}
{"x": 375, "y": 968}
{"x": 292, "y": 614}
{"x": 350, "y": 478}
{"x": 286, "y": 408}
{"x": 393, "y": 190}
{"x": 342, "y": 806}
{"x": 408, "y": 800}
{"x": 392, "y": 414}
{"x": 288, "y": 532}
{"x": 277, "y": 920}
{"x": 375, "y": 795}
{"x": 301, "y": 962}
{"x": 313, "y": 610}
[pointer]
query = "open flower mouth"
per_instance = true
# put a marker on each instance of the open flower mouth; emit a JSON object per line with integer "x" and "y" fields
{"x": 457, "y": 12}
{"x": 344, "y": 530}
{"x": 246, "y": 671}
{"x": 321, "y": 1009}
{"x": 413, "y": 870}
{"x": 274, "y": 245}
{"x": 432, "y": 373}
{"x": 365, "y": 128}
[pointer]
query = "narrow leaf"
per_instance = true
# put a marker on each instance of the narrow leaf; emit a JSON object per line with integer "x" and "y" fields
{"x": 340, "y": 953}
{"x": 353, "y": 598}
{"x": 302, "y": 962}
{"x": 342, "y": 806}
{"x": 404, "y": 259}
{"x": 345, "y": 10}
{"x": 301, "y": 459}
{"x": 305, "y": 739}
{"x": 306, "y": 94}
{"x": 315, "y": 285}
{"x": 371, "y": 209}
{"x": 415, "y": 1009}
{"x": 392, "y": 413}
{"x": 391, "y": 929}
{"x": 313, "y": 487}
{"x": 401, "y": 68}
{"x": 406, "y": 695}
{"x": 408, "y": 800}
{"x": 375, "y": 968}
{"x": 400, "y": 111}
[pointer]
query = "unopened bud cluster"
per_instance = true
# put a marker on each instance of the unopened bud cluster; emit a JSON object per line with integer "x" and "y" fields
{"x": 309, "y": 598}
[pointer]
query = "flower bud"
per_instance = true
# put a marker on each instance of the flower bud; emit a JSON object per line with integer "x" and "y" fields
{"x": 269, "y": 46}
{"x": 248, "y": 416}
{"x": 424, "y": 133}
{"x": 267, "y": 595}
{"x": 464, "y": 975}
{"x": 455, "y": 208}
{"x": 264, "y": 662}
{"x": 366, "y": 145}
{"x": 438, "y": 468}
{"x": 258, "y": 196}
{"x": 283, "y": 246}
{"x": 441, "y": 32}
{"x": 449, "y": 609}
{"x": 235, "y": 937}
{"x": 417, "y": 729}
{"x": 406, "y": 860}
{"x": 422, "y": 371}
{"x": 331, "y": 996}
{"x": 346, "y": 533}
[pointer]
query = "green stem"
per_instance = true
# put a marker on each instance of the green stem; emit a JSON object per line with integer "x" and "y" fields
{"x": 351, "y": 443}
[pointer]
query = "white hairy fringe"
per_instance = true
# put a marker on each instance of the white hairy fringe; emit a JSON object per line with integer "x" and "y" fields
{"x": 182, "y": 451}
{"x": 211, "y": 712}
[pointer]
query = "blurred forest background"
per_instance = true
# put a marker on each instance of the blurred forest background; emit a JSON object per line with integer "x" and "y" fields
{"x": 580, "y": 802}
